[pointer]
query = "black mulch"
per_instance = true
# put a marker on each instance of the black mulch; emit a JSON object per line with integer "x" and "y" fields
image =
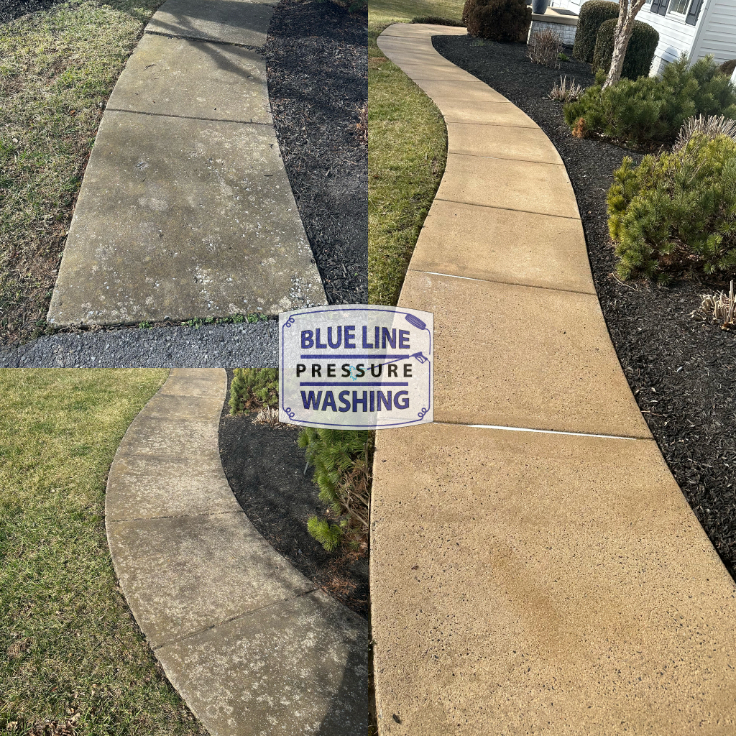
{"x": 318, "y": 82}
{"x": 12, "y": 9}
{"x": 265, "y": 469}
{"x": 682, "y": 372}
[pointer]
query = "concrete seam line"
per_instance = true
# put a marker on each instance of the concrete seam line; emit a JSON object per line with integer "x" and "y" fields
{"x": 504, "y": 158}
{"x": 509, "y": 209}
{"x": 545, "y": 431}
{"x": 490, "y": 125}
{"x": 257, "y": 49}
{"x": 232, "y": 618}
{"x": 175, "y": 516}
{"x": 189, "y": 117}
{"x": 505, "y": 283}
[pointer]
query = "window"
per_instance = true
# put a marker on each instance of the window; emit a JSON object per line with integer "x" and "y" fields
{"x": 679, "y": 6}
{"x": 659, "y": 6}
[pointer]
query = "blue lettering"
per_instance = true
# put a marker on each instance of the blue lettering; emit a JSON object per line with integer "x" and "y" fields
{"x": 329, "y": 401}
{"x": 389, "y": 337}
{"x": 404, "y": 404}
{"x": 339, "y": 337}
{"x": 307, "y": 341}
{"x": 349, "y": 334}
{"x": 363, "y": 401}
{"x": 344, "y": 401}
{"x": 309, "y": 401}
{"x": 403, "y": 339}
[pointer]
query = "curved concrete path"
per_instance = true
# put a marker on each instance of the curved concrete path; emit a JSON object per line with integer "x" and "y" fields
{"x": 252, "y": 646}
{"x": 526, "y": 576}
{"x": 185, "y": 209}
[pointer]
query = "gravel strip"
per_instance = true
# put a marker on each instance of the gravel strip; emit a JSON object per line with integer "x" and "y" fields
{"x": 210, "y": 346}
{"x": 682, "y": 372}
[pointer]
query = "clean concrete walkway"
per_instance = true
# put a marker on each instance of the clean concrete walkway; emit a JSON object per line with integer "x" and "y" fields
{"x": 185, "y": 209}
{"x": 527, "y": 577}
{"x": 252, "y": 646}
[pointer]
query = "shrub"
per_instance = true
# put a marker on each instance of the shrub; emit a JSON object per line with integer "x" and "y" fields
{"x": 592, "y": 15}
{"x": 727, "y": 67}
{"x": 507, "y": 21}
{"x": 341, "y": 460}
{"x": 544, "y": 48}
{"x": 650, "y": 109}
{"x": 676, "y": 212}
{"x": 437, "y": 20}
{"x": 253, "y": 388}
{"x": 639, "y": 52}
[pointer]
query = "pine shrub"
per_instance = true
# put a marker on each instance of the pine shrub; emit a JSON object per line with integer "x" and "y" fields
{"x": 341, "y": 459}
{"x": 639, "y": 52}
{"x": 506, "y": 21}
{"x": 254, "y": 388}
{"x": 676, "y": 212}
{"x": 592, "y": 15}
{"x": 651, "y": 109}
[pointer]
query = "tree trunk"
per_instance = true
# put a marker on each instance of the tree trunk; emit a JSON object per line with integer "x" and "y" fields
{"x": 621, "y": 38}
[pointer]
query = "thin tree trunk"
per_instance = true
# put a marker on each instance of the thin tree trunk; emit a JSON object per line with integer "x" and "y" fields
{"x": 621, "y": 38}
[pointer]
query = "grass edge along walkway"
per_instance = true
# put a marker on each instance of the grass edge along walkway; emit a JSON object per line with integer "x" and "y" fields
{"x": 407, "y": 148}
{"x": 70, "y": 651}
{"x": 57, "y": 69}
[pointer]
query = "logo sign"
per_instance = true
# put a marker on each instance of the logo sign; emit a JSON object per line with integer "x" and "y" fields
{"x": 355, "y": 367}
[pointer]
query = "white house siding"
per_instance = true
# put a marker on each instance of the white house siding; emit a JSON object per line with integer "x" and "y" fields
{"x": 718, "y": 32}
{"x": 715, "y": 32}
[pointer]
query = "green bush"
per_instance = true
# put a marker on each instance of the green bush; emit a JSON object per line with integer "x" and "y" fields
{"x": 498, "y": 20}
{"x": 650, "y": 109}
{"x": 727, "y": 67}
{"x": 676, "y": 212}
{"x": 253, "y": 388}
{"x": 341, "y": 459}
{"x": 592, "y": 15}
{"x": 437, "y": 20}
{"x": 639, "y": 52}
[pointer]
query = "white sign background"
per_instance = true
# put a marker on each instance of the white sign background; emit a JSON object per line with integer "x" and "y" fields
{"x": 356, "y": 367}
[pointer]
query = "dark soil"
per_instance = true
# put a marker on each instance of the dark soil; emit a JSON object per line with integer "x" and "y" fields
{"x": 318, "y": 82}
{"x": 12, "y": 9}
{"x": 682, "y": 372}
{"x": 265, "y": 469}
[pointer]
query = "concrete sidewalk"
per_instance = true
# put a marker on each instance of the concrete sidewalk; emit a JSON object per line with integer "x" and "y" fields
{"x": 527, "y": 577}
{"x": 185, "y": 209}
{"x": 253, "y": 647}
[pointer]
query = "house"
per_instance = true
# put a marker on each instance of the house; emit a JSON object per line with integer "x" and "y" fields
{"x": 694, "y": 27}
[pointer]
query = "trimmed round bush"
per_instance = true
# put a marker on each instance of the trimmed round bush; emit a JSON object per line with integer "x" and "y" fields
{"x": 676, "y": 213}
{"x": 592, "y": 15}
{"x": 507, "y": 21}
{"x": 639, "y": 52}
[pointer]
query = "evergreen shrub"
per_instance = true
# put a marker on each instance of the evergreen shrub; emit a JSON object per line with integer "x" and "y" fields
{"x": 651, "y": 109}
{"x": 592, "y": 15}
{"x": 253, "y": 388}
{"x": 341, "y": 459}
{"x": 507, "y": 21}
{"x": 639, "y": 53}
{"x": 676, "y": 212}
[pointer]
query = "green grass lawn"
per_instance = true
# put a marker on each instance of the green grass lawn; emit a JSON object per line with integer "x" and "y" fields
{"x": 406, "y": 151}
{"x": 57, "y": 69}
{"x": 70, "y": 650}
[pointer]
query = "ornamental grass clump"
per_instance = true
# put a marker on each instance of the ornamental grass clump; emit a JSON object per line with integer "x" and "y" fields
{"x": 650, "y": 110}
{"x": 676, "y": 213}
{"x": 565, "y": 91}
{"x": 342, "y": 471}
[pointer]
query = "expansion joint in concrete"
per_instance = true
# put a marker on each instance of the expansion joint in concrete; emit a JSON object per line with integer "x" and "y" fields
{"x": 187, "y": 117}
{"x": 230, "y": 619}
{"x": 201, "y": 39}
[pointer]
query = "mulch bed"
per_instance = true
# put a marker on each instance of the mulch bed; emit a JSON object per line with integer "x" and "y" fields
{"x": 266, "y": 471}
{"x": 12, "y": 9}
{"x": 318, "y": 82}
{"x": 682, "y": 372}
